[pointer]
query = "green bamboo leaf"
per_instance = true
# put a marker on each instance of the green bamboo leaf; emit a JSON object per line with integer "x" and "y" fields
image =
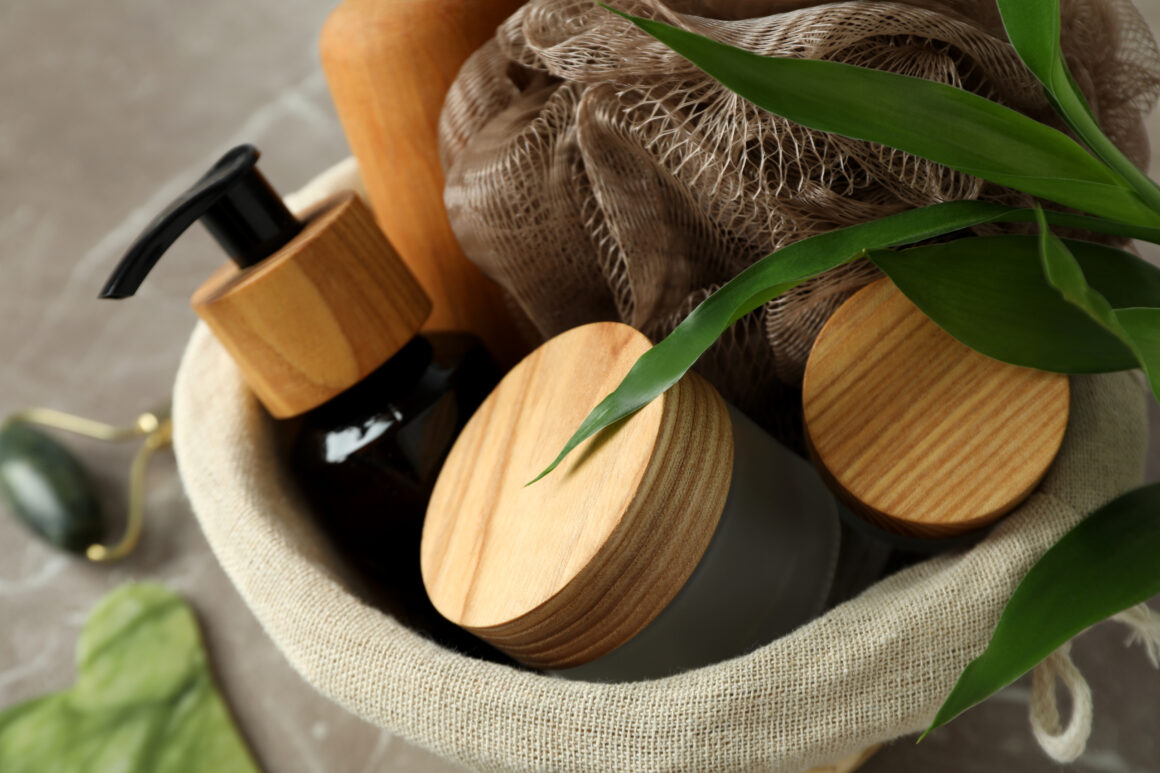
{"x": 1094, "y": 224}
{"x": 664, "y": 364}
{"x": 1138, "y": 328}
{"x": 941, "y": 123}
{"x": 144, "y": 699}
{"x": 991, "y": 294}
{"x": 1104, "y": 565}
{"x": 1033, "y": 26}
{"x": 1034, "y": 29}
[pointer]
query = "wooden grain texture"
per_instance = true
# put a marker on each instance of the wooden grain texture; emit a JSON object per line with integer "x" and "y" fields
{"x": 563, "y": 571}
{"x": 320, "y": 314}
{"x": 389, "y": 66}
{"x": 920, "y": 434}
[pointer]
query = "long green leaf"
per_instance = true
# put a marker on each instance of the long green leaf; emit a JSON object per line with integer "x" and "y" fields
{"x": 938, "y": 122}
{"x": 827, "y": 91}
{"x": 1138, "y": 329}
{"x": 1034, "y": 29}
{"x": 1103, "y": 566}
{"x": 991, "y": 294}
{"x": 664, "y": 364}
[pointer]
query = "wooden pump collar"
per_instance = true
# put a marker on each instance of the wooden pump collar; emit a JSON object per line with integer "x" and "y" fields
{"x": 561, "y": 572}
{"x": 319, "y": 315}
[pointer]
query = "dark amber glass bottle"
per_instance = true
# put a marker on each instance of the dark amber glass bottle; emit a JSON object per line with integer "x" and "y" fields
{"x": 368, "y": 459}
{"x": 323, "y": 318}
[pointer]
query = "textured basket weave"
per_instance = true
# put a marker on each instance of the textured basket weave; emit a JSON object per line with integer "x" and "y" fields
{"x": 785, "y": 707}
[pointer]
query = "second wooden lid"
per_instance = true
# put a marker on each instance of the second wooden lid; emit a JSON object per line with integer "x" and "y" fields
{"x": 917, "y": 432}
{"x": 563, "y": 571}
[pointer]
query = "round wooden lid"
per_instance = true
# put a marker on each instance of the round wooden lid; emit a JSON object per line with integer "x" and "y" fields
{"x": 319, "y": 315}
{"x": 917, "y": 432}
{"x": 564, "y": 570}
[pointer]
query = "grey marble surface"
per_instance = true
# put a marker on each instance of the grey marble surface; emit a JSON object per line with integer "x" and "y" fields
{"x": 106, "y": 111}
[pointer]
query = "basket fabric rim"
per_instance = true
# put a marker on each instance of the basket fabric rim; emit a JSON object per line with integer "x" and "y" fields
{"x": 785, "y": 706}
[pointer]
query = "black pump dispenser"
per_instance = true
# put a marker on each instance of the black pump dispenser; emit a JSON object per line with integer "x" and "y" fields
{"x": 323, "y": 321}
{"x": 234, "y": 202}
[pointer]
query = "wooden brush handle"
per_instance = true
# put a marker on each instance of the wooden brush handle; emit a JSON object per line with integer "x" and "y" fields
{"x": 389, "y": 66}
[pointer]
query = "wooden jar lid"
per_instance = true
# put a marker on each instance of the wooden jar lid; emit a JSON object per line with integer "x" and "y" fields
{"x": 563, "y": 571}
{"x": 320, "y": 314}
{"x": 917, "y": 432}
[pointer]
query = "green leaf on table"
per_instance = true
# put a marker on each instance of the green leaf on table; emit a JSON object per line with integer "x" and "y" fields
{"x": 1103, "y": 566}
{"x": 1135, "y": 326}
{"x": 144, "y": 699}
{"x": 1034, "y": 29}
{"x": 991, "y": 293}
{"x": 935, "y": 121}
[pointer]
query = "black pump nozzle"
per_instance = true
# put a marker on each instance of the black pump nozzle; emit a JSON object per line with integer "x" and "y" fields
{"x": 234, "y": 201}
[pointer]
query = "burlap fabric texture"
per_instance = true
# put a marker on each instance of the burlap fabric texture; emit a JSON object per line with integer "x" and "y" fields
{"x": 597, "y": 175}
{"x": 872, "y": 669}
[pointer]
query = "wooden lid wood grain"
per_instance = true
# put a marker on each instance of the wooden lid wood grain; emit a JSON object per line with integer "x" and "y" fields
{"x": 319, "y": 315}
{"x": 917, "y": 432}
{"x": 563, "y": 571}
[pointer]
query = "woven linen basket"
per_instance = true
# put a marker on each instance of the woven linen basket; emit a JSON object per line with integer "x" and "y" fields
{"x": 872, "y": 669}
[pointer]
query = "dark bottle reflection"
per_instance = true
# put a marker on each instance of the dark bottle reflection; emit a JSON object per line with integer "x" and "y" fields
{"x": 368, "y": 459}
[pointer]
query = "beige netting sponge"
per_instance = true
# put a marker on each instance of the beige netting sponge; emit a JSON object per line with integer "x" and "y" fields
{"x": 598, "y": 175}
